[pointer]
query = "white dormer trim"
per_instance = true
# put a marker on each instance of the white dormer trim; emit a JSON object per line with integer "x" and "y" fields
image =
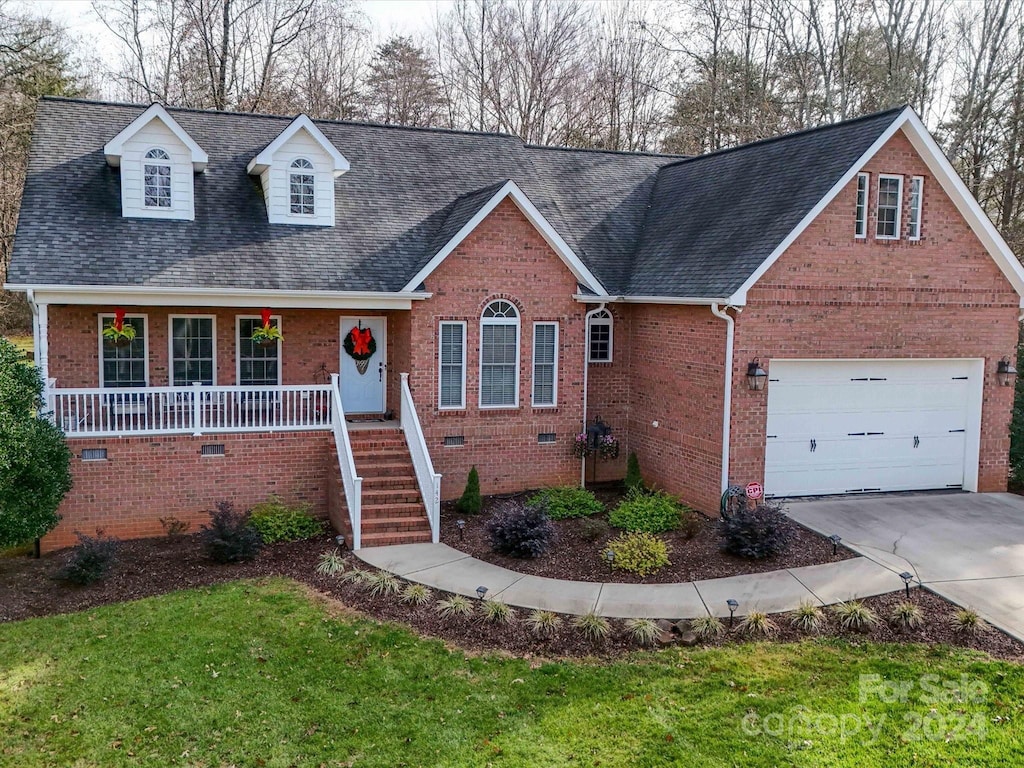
{"x": 264, "y": 159}
{"x": 115, "y": 147}
{"x": 512, "y": 191}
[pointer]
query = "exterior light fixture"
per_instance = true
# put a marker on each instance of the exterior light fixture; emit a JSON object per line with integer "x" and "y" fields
{"x": 733, "y": 605}
{"x": 907, "y": 578}
{"x": 756, "y": 375}
{"x": 340, "y": 540}
{"x": 835, "y": 538}
{"x": 481, "y": 591}
{"x": 461, "y": 525}
{"x": 1006, "y": 374}
{"x": 609, "y": 556}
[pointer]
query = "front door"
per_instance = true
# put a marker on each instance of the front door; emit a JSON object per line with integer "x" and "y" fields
{"x": 363, "y": 364}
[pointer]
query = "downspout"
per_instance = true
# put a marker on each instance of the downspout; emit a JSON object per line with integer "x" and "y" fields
{"x": 31, "y": 296}
{"x": 586, "y": 370}
{"x": 730, "y": 328}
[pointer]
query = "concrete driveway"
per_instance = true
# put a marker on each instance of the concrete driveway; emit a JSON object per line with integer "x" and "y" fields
{"x": 967, "y": 547}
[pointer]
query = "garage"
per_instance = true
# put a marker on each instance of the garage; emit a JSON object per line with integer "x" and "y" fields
{"x": 859, "y": 426}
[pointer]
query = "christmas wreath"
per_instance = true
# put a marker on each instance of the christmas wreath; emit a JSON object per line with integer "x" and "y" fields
{"x": 360, "y": 344}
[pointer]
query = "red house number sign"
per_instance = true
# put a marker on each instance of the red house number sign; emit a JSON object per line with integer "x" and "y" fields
{"x": 754, "y": 491}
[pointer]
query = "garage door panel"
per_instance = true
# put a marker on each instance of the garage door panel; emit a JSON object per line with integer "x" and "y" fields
{"x": 873, "y": 425}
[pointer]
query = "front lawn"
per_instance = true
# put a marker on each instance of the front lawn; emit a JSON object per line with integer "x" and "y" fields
{"x": 259, "y": 674}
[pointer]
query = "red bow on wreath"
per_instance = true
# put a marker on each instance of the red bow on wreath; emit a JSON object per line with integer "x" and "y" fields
{"x": 361, "y": 338}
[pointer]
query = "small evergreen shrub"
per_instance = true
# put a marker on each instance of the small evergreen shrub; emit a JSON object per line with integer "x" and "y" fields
{"x": 854, "y": 615}
{"x": 707, "y": 627}
{"x": 520, "y": 531}
{"x": 760, "y": 532}
{"x": 634, "y": 480}
{"x": 647, "y": 512}
{"x": 643, "y": 631}
{"x": 543, "y": 624}
{"x": 566, "y": 502}
{"x": 229, "y": 538}
{"x": 592, "y": 529}
{"x": 276, "y": 521}
{"x": 691, "y": 524}
{"x": 91, "y": 559}
{"x": 470, "y": 503}
{"x": 592, "y": 626}
{"x": 639, "y": 553}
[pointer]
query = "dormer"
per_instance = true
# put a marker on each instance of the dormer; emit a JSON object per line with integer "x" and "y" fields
{"x": 158, "y": 162}
{"x": 297, "y": 171}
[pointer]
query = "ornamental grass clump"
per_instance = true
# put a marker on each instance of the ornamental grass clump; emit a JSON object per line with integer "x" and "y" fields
{"x": 330, "y": 563}
{"x": 707, "y": 627}
{"x": 647, "y": 512}
{"x": 456, "y": 605}
{"x": 543, "y": 624}
{"x": 758, "y": 624}
{"x": 643, "y": 631}
{"x": 639, "y": 553}
{"x": 416, "y": 594}
{"x": 383, "y": 583}
{"x": 520, "y": 531}
{"x": 497, "y": 612}
{"x": 592, "y": 626}
{"x": 968, "y": 621}
{"x": 808, "y": 617}
{"x": 854, "y": 615}
{"x": 907, "y": 615}
{"x": 566, "y": 502}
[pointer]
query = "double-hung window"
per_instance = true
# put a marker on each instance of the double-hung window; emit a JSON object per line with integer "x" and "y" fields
{"x": 916, "y": 196}
{"x": 452, "y": 365}
{"x": 545, "y": 364}
{"x": 257, "y": 365}
{"x": 890, "y": 200}
{"x": 599, "y": 337}
{"x": 301, "y": 187}
{"x": 861, "y": 226}
{"x": 192, "y": 351}
{"x": 124, "y": 366}
{"x": 499, "y": 355}
{"x": 156, "y": 176}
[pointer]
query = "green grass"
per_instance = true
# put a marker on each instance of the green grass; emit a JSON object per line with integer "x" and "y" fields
{"x": 255, "y": 673}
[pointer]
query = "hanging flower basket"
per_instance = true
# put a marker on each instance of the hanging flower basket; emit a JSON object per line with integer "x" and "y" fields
{"x": 360, "y": 346}
{"x": 118, "y": 333}
{"x": 608, "y": 448}
{"x": 266, "y": 335}
{"x": 581, "y": 446}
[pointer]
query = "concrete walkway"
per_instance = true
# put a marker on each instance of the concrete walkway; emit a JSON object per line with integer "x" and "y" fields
{"x": 445, "y": 568}
{"x": 966, "y": 547}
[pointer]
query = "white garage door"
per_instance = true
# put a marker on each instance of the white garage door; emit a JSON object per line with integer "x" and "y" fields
{"x": 847, "y": 426}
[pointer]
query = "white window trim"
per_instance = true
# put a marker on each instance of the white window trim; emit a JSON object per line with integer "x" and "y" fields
{"x": 238, "y": 353}
{"x": 866, "y": 178}
{"x": 899, "y": 205}
{"x": 103, "y": 318}
{"x": 169, "y": 162}
{"x": 610, "y": 322}
{"x": 311, "y": 171}
{"x": 554, "y": 370}
{"x": 462, "y": 398}
{"x": 170, "y": 343}
{"x": 920, "y": 206}
{"x": 499, "y": 321}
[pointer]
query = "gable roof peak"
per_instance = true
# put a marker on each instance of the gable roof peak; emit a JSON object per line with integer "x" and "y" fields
{"x": 155, "y": 111}
{"x": 302, "y": 122}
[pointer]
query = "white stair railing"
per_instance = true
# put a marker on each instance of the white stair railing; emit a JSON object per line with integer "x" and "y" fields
{"x": 352, "y": 482}
{"x": 429, "y": 480}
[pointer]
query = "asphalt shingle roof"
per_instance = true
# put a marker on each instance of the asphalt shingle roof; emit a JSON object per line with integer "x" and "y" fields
{"x": 644, "y": 224}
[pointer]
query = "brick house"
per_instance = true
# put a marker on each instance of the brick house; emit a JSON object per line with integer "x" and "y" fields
{"x": 826, "y": 312}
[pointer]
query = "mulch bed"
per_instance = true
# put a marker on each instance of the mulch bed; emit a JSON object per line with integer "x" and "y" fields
{"x": 578, "y": 557}
{"x": 155, "y": 566}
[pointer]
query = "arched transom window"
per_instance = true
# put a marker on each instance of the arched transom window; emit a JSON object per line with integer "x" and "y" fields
{"x": 499, "y": 355}
{"x": 156, "y": 175}
{"x": 301, "y": 187}
{"x": 599, "y": 337}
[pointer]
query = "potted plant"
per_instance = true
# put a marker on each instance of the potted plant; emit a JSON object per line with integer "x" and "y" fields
{"x": 608, "y": 447}
{"x": 118, "y": 333}
{"x": 266, "y": 335}
{"x": 581, "y": 446}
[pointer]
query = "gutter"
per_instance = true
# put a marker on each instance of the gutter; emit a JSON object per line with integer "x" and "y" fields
{"x": 730, "y": 333}
{"x": 586, "y": 298}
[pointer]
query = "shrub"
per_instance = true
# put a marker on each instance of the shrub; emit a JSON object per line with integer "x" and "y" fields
{"x": 383, "y": 583}
{"x": 497, "y": 612}
{"x": 592, "y": 626}
{"x": 416, "y": 594}
{"x": 707, "y": 627}
{"x": 520, "y": 531}
{"x": 456, "y": 605}
{"x": 807, "y": 617}
{"x": 639, "y": 553}
{"x": 543, "y": 623}
{"x": 855, "y": 615}
{"x": 757, "y": 624}
{"x": 967, "y": 621}
{"x": 906, "y": 614}
{"x": 763, "y": 531}
{"x": 644, "y": 631}
{"x": 173, "y": 527}
{"x": 634, "y": 480}
{"x": 691, "y": 524}
{"x": 35, "y": 462}
{"x": 647, "y": 512}
{"x": 276, "y": 521}
{"x": 330, "y": 563}
{"x": 470, "y": 503}
{"x": 566, "y": 502}
{"x": 90, "y": 560}
{"x": 229, "y": 538}
{"x": 592, "y": 529}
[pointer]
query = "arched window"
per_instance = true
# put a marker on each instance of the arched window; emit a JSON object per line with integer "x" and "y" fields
{"x": 156, "y": 175}
{"x": 599, "y": 337}
{"x": 301, "y": 187}
{"x": 499, "y": 355}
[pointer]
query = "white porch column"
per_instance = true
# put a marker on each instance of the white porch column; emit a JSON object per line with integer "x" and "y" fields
{"x": 41, "y": 340}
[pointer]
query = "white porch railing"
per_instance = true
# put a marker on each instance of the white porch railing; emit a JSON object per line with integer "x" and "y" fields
{"x": 352, "y": 482}
{"x": 429, "y": 480}
{"x": 197, "y": 410}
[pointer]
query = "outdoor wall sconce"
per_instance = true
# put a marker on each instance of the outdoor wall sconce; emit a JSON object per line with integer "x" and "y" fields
{"x": 756, "y": 376}
{"x": 481, "y": 591}
{"x": 733, "y": 605}
{"x": 1006, "y": 374}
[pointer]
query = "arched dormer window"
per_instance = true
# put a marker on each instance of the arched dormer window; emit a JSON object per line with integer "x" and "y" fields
{"x": 499, "y": 355}
{"x": 599, "y": 337}
{"x": 301, "y": 187}
{"x": 156, "y": 179}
